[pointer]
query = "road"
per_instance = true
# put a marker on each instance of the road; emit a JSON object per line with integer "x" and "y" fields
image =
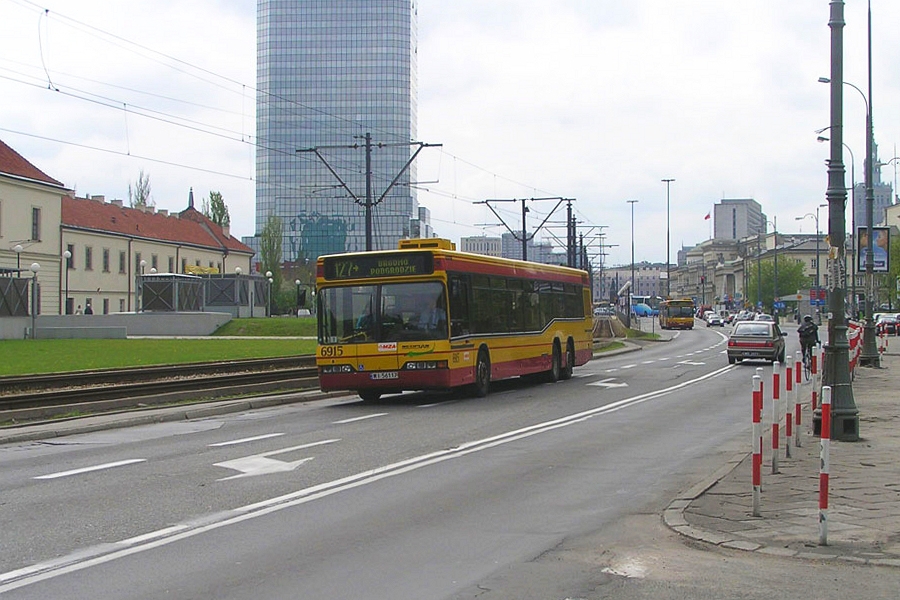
{"x": 539, "y": 491}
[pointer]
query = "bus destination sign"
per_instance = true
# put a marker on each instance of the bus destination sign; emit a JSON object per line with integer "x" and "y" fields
{"x": 364, "y": 266}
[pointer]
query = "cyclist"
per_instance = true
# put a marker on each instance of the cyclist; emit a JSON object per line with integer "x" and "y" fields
{"x": 809, "y": 336}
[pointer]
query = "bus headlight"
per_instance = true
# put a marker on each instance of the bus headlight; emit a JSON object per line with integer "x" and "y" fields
{"x": 335, "y": 369}
{"x": 425, "y": 365}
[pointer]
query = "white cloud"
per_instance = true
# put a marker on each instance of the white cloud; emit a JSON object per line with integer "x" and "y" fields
{"x": 595, "y": 100}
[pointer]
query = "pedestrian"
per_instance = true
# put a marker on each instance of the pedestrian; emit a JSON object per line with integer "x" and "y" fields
{"x": 78, "y": 310}
{"x": 88, "y": 310}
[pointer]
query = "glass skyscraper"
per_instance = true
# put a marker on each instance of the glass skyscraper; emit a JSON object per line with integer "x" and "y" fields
{"x": 328, "y": 73}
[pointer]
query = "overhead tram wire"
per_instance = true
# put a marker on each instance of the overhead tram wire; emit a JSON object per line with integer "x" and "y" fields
{"x": 129, "y": 45}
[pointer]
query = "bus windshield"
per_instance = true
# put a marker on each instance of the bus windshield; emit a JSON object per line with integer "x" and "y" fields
{"x": 388, "y": 312}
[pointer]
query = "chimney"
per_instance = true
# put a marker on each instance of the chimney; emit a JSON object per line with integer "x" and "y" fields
{"x": 226, "y": 230}
{"x": 163, "y": 211}
{"x": 118, "y": 203}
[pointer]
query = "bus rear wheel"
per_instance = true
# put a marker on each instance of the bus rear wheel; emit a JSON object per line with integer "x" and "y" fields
{"x": 555, "y": 372}
{"x": 482, "y": 374}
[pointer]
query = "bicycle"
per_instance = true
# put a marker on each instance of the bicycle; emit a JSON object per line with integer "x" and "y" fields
{"x": 807, "y": 363}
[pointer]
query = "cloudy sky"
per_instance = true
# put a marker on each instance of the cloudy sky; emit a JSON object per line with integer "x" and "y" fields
{"x": 597, "y": 100}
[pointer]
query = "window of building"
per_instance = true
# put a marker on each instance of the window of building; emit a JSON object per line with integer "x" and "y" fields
{"x": 106, "y": 306}
{"x": 88, "y": 258}
{"x": 122, "y": 262}
{"x": 1, "y": 218}
{"x": 171, "y": 264}
{"x": 106, "y": 260}
{"x": 35, "y": 223}
{"x": 183, "y": 265}
{"x": 137, "y": 263}
{"x": 121, "y": 305}
{"x": 154, "y": 262}
{"x": 70, "y": 262}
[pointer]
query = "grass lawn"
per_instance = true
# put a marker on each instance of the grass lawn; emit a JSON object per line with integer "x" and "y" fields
{"x": 22, "y": 357}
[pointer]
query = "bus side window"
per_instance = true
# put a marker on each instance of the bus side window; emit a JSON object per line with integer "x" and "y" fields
{"x": 460, "y": 323}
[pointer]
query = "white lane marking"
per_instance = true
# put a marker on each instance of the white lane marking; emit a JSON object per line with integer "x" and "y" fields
{"x": 261, "y": 464}
{"x": 691, "y": 362}
{"x": 609, "y": 382}
{"x": 627, "y": 366}
{"x": 648, "y": 362}
{"x": 354, "y": 419}
{"x": 245, "y": 440}
{"x": 90, "y": 557}
{"x": 111, "y": 465}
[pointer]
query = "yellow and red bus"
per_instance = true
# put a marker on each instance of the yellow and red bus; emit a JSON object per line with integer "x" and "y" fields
{"x": 426, "y": 317}
{"x": 676, "y": 314}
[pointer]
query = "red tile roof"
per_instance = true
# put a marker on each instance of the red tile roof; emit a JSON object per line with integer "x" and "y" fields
{"x": 188, "y": 227}
{"x": 12, "y": 163}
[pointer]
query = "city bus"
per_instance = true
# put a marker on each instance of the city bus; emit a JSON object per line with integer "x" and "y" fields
{"x": 427, "y": 317}
{"x": 676, "y": 314}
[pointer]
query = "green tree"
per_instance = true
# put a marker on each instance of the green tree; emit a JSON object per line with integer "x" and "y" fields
{"x": 790, "y": 280}
{"x": 215, "y": 209}
{"x": 270, "y": 252}
{"x": 139, "y": 194}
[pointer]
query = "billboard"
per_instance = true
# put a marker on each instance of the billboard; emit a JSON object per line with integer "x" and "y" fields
{"x": 880, "y": 246}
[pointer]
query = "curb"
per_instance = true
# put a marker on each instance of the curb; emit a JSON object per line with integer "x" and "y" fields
{"x": 673, "y": 517}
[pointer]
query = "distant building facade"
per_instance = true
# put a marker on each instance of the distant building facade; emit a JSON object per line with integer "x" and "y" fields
{"x": 479, "y": 244}
{"x": 737, "y": 218}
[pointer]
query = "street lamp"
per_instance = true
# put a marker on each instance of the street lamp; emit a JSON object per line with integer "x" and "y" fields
{"x": 297, "y": 283}
{"x": 237, "y": 289}
{"x": 631, "y": 288}
{"x": 869, "y": 354}
{"x": 18, "y": 250}
{"x": 668, "y": 243}
{"x": 836, "y": 372}
{"x": 35, "y": 267}
{"x": 67, "y": 256}
{"x": 853, "y": 304}
{"x": 818, "y": 235}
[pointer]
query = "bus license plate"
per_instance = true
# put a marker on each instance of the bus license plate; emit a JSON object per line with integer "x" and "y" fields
{"x": 386, "y": 375}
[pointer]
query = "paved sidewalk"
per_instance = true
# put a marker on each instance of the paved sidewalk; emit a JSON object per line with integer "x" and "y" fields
{"x": 864, "y": 490}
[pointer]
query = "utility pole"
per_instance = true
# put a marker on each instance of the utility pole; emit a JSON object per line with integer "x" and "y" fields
{"x": 524, "y": 237}
{"x": 836, "y": 374}
{"x": 368, "y": 203}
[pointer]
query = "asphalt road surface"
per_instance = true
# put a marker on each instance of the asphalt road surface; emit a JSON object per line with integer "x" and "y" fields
{"x": 537, "y": 491}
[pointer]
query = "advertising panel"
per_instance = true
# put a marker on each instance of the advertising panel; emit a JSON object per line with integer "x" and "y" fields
{"x": 881, "y": 245}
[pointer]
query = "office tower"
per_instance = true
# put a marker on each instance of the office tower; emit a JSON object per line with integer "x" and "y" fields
{"x": 328, "y": 73}
{"x": 737, "y": 218}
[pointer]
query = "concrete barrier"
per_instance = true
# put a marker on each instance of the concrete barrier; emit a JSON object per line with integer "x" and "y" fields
{"x": 80, "y": 333}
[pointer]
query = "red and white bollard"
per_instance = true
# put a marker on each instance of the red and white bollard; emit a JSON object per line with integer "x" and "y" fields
{"x": 797, "y": 406}
{"x": 757, "y": 442}
{"x": 813, "y": 371}
{"x": 789, "y": 400}
{"x": 776, "y": 413}
{"x": 825, "y": 461}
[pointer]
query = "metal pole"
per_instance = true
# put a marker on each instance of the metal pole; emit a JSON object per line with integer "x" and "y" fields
{"x": 524, "y": 235}
{"x": 368, "y": 193}
{"x": 631, "y": 288}
{"x": 668, "y": 242}
{"x": 818, "y": 285}
{"x": 869, "y": 356}
{"x": 845, "y": 416}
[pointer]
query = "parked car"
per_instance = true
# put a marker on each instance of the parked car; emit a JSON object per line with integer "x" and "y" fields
{"x": 887, "y": 324}
{"x": 756, "y": 340}
{"x": 714, "y": 319}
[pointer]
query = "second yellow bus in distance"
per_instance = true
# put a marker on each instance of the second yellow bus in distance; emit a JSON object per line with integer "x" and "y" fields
{"x": 676, "y": 314}
{"x": 426, "y": 317}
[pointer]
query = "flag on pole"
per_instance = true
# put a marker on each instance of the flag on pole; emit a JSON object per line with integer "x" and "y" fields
{"x": 706, "y": 218}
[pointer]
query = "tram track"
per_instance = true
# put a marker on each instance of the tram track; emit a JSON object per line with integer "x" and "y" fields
{"x": 38, "y": 397}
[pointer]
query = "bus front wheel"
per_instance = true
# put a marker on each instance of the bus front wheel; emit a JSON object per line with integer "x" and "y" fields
{"x": 569, "y": 367}
{"x": 369, "y": 395}
{"x": 482, "y": 374}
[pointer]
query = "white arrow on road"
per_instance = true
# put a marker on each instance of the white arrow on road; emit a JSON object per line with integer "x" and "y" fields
{"x": 610, "y": 382}
{"x": 261, "y": 464}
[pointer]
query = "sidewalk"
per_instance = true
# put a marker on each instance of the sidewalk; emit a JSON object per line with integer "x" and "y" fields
{"x": 864, "y": 491}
